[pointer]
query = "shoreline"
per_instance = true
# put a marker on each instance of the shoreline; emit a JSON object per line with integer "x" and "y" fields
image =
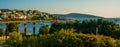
{"x": 26, "y": 21}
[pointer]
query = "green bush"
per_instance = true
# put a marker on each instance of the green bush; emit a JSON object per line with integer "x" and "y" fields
{"x": 15, "y": 39}
{"x": 25, "y": 42}
{"x": 44, "y": 29}
{"x": 33, "y": 41}
{"x": 12, "y": 27}
{"x": 70, "y": 39}
{"x": 63, "y": 38}
{"x": 1, "y": 32}
{"x": 103, "y": 27}
{"x": 117, "y": 43}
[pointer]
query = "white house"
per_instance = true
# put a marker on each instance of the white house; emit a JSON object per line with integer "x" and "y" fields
{"x": 22, "y": 17}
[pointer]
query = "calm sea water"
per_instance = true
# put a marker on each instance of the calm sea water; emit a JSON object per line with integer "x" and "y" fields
{"x": 39, "y": 24}
{"x": 30, "y": 26}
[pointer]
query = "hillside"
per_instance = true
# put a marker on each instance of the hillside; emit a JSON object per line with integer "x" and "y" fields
{"x": 7, "y": 14}
{"x": 76, "y": 15}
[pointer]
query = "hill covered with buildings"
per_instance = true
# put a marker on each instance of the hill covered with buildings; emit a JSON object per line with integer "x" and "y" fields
{"x": 7, "y": 14}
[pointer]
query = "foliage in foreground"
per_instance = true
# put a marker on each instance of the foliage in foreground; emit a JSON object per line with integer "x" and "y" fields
{"x": 103, "y": 27}
{"x": 117, "y": 43}
{"x": 64, "y": 38}
{"x": 12, "y": 27}
{"x": 1, "y": 32}
{"x": 44, "y": 29}
{"x": 15, "y": 39}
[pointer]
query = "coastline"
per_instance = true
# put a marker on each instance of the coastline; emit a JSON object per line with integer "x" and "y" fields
{"x": 26, "y": 21}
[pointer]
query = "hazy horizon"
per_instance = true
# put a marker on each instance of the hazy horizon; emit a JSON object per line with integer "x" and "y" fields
{"x": 103, "y": 8}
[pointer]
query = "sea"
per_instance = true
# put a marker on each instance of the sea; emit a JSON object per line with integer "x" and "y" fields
{"x": 39, "y": 24}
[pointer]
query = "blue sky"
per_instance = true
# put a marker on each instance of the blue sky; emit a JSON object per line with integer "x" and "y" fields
{"x": 104, "y": 8}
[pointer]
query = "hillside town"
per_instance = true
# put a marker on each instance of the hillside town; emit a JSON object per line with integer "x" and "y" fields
{"x": 6, "y": 14}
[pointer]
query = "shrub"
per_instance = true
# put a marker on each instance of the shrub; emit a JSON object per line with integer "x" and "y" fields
{"x": 68, "y": 39}
{"x": 63, "y": 38}
{"x": 33, "y": 41}
{"x": 44, "y": 29}
{"x": 103, "y": 27}
{"x": 1, "y": 32}
{"x": 12, "y": 27}
{"x": 25, "y": 42}
{"x": 15, "y": 39}
{"x": 117, "y": 43}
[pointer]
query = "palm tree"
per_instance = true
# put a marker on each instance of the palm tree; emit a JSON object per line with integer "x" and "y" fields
{"x": 25, "y": 28}
{"x": 6, "y": 28}
{"x": 6, "y": 31}
{"x": 34, "y": 23}
{"x": 17, "y": 27}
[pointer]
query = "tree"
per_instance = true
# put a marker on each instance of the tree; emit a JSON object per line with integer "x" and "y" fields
{"x": 12, "y": 27}
{"x": 65, "y": 38}
{"x": 1, "y": 32}
{"x": 100, "y": 26}
{"x": 25, "y": 28}
{"x": 15, "y": 39}
{"x": 17, "y": 27}
{"x": 57, "y": 26}
{"x": 44, "y": 29}
{"x": 34, "y": 23}
{"x": 24, "y": 12}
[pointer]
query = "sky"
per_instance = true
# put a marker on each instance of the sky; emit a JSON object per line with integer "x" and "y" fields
{"x": 104, "y": 8}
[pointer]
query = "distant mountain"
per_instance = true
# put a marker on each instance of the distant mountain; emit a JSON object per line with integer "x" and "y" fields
{"x": 76, "y": 15}
{"x": 6, "y": 10}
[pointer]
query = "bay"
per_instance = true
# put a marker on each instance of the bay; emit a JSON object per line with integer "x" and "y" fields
{"x": 39, "y": 24}
{"x": 30, "y": 26}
